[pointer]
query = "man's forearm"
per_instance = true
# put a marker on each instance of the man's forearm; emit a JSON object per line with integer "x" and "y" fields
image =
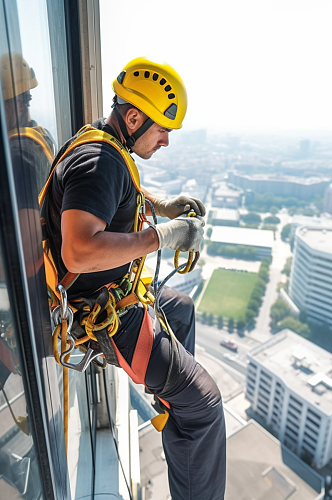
{"x": 106, "y": 250}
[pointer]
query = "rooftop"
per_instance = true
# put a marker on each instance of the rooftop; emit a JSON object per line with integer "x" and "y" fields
{"x": 259, "y": 467}
{"x": 317, "y": 238}
{"x": 303, "y": 366}
{"x": 226, "y": 214}
{"x": 284, "y": 178}
{"x": 242, "y": 236}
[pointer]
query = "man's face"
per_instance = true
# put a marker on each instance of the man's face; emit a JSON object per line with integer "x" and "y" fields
{"x": 152, "y": 140}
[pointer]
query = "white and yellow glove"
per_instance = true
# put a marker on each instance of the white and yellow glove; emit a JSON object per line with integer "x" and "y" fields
{"x": 183, "y": 233}
{"x": 176, "y": 206}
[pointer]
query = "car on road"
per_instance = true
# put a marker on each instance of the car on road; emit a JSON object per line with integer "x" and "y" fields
{"x": 231, "y": 357}
{"x": 230, "y": 345}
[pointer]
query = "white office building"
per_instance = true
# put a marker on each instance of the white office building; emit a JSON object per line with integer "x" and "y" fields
{"x": 311, "y": 275}
{"x": 263, "y": 241}
{"x": 289, "y": 384}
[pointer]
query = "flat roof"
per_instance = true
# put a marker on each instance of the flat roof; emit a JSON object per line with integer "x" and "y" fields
{"x": 317, "y": 238}
{"x": 226, "y": 214}
{"x": 307, "y": 181}
{"x": 242, "y": 236}
{"x": 303, "y": 366}
{"x": 260, "y": 467}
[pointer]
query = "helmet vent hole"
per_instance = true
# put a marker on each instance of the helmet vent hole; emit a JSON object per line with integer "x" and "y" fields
{"x": 155, "y": 76}
{"x": 162, "y": 81}
{"x": 171, "y": 96}
{"x": 136, "y": 73}
{"x": 147, "y": 74}
{"x": 168, "y": 88}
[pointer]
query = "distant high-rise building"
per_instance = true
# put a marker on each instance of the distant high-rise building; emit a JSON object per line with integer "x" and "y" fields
{"x": 310, "y": 281}
{"x": 289, "y": 384}
{"x": 328, "y": 200}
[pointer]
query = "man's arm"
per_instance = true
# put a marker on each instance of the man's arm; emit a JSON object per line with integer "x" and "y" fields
{"x": 86, "y": 247}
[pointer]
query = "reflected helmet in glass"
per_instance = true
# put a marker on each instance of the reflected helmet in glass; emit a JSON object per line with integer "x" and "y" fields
{"x": 16, "y": 76}
{"x": 154, "y": 88}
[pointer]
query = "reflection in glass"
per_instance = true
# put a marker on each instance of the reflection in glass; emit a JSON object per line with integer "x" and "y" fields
{"x": 19, "y": 474}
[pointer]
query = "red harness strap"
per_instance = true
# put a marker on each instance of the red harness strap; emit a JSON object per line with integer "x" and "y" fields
{"x": 141, "y": 357}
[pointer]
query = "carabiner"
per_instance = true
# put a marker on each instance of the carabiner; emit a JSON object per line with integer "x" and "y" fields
{"x": 89, "y": 356}
{"x": 63, "y": 301}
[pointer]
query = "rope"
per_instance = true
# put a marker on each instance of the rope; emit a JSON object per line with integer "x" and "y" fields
{"x": 111, "y": 322}
{"x": 62, "y": 329}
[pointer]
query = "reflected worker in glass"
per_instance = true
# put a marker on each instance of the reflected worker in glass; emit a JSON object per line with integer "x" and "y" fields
{"x": 31, "y": 146}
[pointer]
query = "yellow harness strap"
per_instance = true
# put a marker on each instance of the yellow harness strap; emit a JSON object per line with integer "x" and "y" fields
{"x": 90, "y": 134}
{"x": 35, "y": 133}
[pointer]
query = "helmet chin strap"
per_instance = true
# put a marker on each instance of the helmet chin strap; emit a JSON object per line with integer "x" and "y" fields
{"x": 131, "y": 139}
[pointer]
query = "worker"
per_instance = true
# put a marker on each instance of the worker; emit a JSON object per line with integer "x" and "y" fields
{"x": 32, "y": 149}
{"x": 91, "y": 203}
{"x": 29, "y": 141}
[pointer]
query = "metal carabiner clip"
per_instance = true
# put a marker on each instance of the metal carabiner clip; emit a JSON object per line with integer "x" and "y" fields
{"x": 89, "y": 356}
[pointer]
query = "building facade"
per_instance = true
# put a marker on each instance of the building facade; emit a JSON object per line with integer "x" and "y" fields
{"x": 289, "y": 384}
{"x": 262, "y": 241}
{"x": 281, "y": 185}
{"x": 310, "y": 281}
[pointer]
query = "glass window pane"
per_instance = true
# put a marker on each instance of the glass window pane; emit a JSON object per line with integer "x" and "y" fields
{"x": 19, "y": 473}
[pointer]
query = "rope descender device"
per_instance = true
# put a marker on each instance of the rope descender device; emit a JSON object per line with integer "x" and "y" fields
{"x": 191, "y": 262}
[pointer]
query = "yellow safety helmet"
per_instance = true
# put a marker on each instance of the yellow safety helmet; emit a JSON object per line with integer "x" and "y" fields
{"x": 20, "y": 80}
{"x": 154, "y": 88}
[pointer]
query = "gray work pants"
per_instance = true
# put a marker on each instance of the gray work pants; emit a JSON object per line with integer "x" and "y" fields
{"x": 194, "y": 437}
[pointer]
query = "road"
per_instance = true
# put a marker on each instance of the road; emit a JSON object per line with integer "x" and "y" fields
{"x": 209, "y": 338}
{"x": 280, "y": 252}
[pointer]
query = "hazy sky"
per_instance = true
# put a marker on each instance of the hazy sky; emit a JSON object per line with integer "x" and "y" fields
{"x": 247, "y": 64}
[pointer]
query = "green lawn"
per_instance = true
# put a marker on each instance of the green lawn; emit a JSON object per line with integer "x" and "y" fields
{"x": 228, "y": 293}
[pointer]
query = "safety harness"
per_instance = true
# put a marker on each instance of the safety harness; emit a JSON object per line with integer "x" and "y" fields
{"x": 39, "y": 135}
{"x": 89, "y": 323}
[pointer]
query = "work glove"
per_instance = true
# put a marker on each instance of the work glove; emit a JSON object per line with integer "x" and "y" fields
{"x": 183, "y": 233}
{"x": 176, "y": 206}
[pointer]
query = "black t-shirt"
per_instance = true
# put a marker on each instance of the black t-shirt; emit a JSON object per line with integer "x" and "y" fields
{"x": 94, "y": 178}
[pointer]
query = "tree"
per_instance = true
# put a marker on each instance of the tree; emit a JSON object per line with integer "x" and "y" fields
{"x": 285, "y": 232}
{"x": 210, "y": 319}
{"x": 240, "y": 324}
{"x": 265, "y": 262}
{"x": 256, "y": 296}
{"x": 230, "y": 325}
{"x": 254, "y": 305}
{"x": 271, "y": 219}
{"x": 287, "y": 267}
{"x": 263, "y": 273}
{"x": 220, "y": 322}
{"x": 274, "y": 210}
{"x": 295, "y": 325}
{"x": 209, "y": 232}
{"x": 260, "y": 285}
{"x": 279, "y": 311}
{"x": 204, "y": 317}
{"x": 250, "y": 315}
{"x": 251, "y": 217}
